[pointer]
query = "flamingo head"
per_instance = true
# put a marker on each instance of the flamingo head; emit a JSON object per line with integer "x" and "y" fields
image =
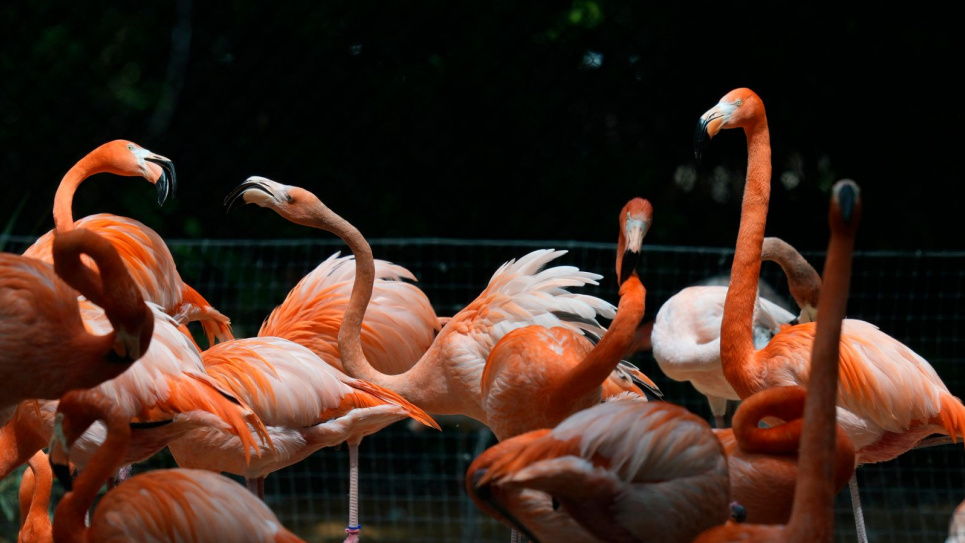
{"x": 738, "y": 108}
{"x": 293, "y": 203}
{"x": 122, "y": 157}
{"x": 846, "y": 197}
{"x": 635, "y": 219}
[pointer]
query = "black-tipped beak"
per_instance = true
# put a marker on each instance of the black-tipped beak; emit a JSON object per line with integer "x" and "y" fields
{"x": 846, "y": 201}
{"x": 234, "y": 199}
{"x": 63, "y": 474}
{"x": 629, "y": 263}
{"x": 701, "y": 139}
{"x": 167, "y": 185}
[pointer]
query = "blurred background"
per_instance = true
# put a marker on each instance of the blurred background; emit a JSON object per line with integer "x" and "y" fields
{"x": 501, "y": 120}
{"x": 511, "y": 122}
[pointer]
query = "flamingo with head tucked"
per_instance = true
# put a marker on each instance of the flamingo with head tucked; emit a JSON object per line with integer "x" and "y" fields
{"x": 145, "y": 254}
{"x": 45, "y": 348}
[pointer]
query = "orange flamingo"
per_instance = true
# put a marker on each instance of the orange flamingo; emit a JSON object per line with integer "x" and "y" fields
{"x": 165, "y": 395}
{"x": 889, "y": 398}
{"x": 35, "y": 488}
{"x": 446, "y": 379}
{"x": 536, "y": 376}
{"x": 685, "y": 336}
{"x": 159, "y": 505}
{"x": 399, "y": 323}
{"x": 306, "y": 405}
{"x": 41, "y": 329}
{"x": 625, "y": 470}
{"x": 812, "y": 514}
{"x": 145, "y": 254}
{"x": 763, "y": 462}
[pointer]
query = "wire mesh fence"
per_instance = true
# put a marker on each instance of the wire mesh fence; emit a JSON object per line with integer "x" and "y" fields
{"x": 412, "y": 478}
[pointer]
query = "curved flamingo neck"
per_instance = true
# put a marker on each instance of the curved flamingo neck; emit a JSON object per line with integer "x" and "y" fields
{"x": 350, "y": 331}
{"x": 64, "y": 198}
{"x": 590, "y": 373}
{"x": 737, "y": 333}
{"x": 37, "y": 519}
{"x": 802, "y": 279}
{"x": 70, "y": 514}
{"x": 785, "y": 403}
{"x": 813, "y": 510}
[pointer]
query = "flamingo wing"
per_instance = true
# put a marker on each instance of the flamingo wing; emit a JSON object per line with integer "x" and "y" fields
{"x": 399, "y": 323}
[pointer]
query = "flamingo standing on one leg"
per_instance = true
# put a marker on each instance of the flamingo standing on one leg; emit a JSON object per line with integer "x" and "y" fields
{"x": 537, "y": 376}
{"x": 685, "y": 335}
{"x": 812, "y": 515}
{"x": 306, "y": 405}
{"x": 624, "y": 470}
{"x": 446, "y": 379}
{"x": 145, "y": 254}
{"x": 35, "y": 488}
{"x": 160, "y": 505}
{"x": 45, "y": 349}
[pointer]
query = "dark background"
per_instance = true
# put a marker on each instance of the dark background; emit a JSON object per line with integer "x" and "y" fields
{"x": 485, "y": 119}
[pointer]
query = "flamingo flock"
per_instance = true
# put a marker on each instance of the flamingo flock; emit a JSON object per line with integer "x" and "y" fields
{"x": 99, "y": 372}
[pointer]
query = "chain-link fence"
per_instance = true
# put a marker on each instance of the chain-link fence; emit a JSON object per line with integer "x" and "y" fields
{"x": 411, "y": 479}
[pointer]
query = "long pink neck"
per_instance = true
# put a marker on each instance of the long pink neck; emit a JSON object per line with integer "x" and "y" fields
{"x": 64, "y": 198}
{"x": 736, "y": 332}
{"x": 600, "y": 362}
{"x": 785, "y": 403}
{"x": 350, "y": 333}
{"x": 37, "y": 519}
{"x": 812, "y": 517}
{"x": 71, "y": 513}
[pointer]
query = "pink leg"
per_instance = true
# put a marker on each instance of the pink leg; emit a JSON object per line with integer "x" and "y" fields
{"x": 353, "y": 495}
{"x": 256, "y": 486}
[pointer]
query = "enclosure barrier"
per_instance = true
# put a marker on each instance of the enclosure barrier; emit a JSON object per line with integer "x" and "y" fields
{"x": 411, "y": 478}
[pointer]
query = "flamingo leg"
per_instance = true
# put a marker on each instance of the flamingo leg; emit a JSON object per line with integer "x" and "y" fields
{"x": 353, "y": 494}
{"x": 856, "y": 507}
{"x": 718, "y": 406}
{"x": 516, "y": 537}
{"x": 256, "y": 486}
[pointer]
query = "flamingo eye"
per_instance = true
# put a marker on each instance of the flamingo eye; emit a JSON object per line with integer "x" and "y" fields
{"x": 290, "y": 199}
{"x": 738, "y": 102}
{"x": 130, "y": 146}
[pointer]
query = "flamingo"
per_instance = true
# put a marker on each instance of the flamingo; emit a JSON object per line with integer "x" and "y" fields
{"x": 160, "y": 505}
{"x": 889, "y": 398}
{"x": 35, "y": 488}
{"x": 145, "y": 254}
{"x": 812, "y": 514}
{"x": 165, "y": 395}
{"x": 306, "y": 405}
{"x": 41, "y": 329}
{"x": 446, "y": 379}
{"x": 536, "y": 376}
{"x": 685, "y": 335}
{"x": 763, "y": 461}
{"x": 624, "y": 470}
{"x": 399, "y": 323}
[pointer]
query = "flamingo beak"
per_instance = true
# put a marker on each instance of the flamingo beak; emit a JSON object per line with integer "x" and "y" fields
{"x": 708, "y": 126}
{"x": 847, "y": 195}
{"x": 237, "y": 196}
{"x": 484, "y": 492}
{"x": 167, "y": 184}
{"x": 635, "y": 230}
{"x": 59, "y": 453}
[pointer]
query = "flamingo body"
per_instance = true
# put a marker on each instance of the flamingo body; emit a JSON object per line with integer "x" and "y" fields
{"x": 399, "y": 323}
